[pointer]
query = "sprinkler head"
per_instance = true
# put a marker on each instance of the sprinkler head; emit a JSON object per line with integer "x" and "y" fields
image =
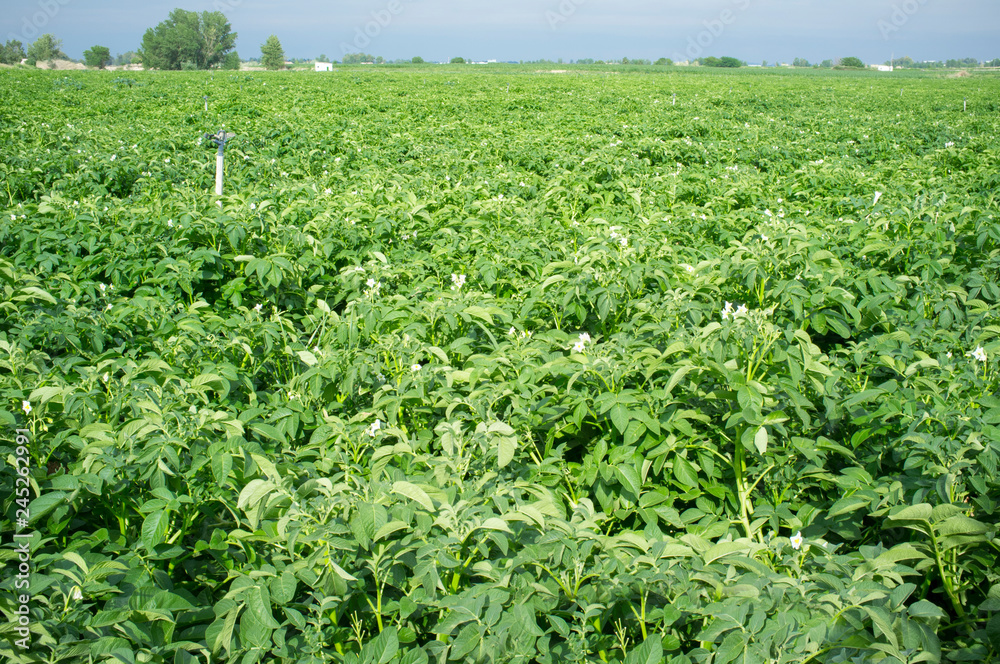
{"x": 219, "y": 138}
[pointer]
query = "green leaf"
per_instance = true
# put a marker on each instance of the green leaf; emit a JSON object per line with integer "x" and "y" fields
{"x": 677, "y": 377}
{"x": 925, "y": 609}
{"x": 45, "y": 503}
{"x": 466, "y": 642}
{"x": 371, "y": 518}
{"x": 414, "y": 493}
{"x": 267, "y": 431}
{"x": 619, "y": 415}
{"x": 211, "y": 381}
{"x": 253, "y": 631}
{"x": 168, "y": 601}
{"x": 506, "y": 447}
{"x": 685, "y": 473}
{"x": 961, "y": 525}
{"x": 154, "y": 528}
{"x": 342, "y": 573}
{"x": 921, "y": 512}
{"x": 307, "y": 357}
{"x": 253, "y": 493}
{"x": 37, "y": 293}
{"x": 259, "y": 604}
{"x": 222, "y": 465}
{"x": 43, "y": 395}
{"x": 501, "y": 428}
{"x": 760, "y": 440}
{"x": 414, "y": 656}
{"x": 77, "y": 560}
{"x": 723, "y": 549}
{"x": 731, "y": 648}
{"x": 223, "y": 631}
{"x": 992, "y": 602}
{"x": 634, "y": 432}
{"x": 494, "y": 523}
{"x": 382, "y": 649}
{"x": 649, "y": 651}
{"x": 629, "y": 477}
{"x": 848, "y": 505}
{"x": 883, "y": 621}
{"x": 283, "y": 588}
{"x": 960, "y": 529}
{"x": 389, "y": 529}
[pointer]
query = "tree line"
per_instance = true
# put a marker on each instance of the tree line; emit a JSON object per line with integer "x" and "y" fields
{"x": 192, "y": 40}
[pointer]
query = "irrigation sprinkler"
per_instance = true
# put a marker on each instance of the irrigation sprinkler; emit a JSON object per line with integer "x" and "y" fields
{"x": 220, "y": 159}
{"x": 965, "y": 105}
{"x": 206, "y": 102}
{"x": 674, "y": 103}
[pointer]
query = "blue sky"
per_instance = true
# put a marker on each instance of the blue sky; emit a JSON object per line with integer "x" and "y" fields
{"x": 753, "y": 30}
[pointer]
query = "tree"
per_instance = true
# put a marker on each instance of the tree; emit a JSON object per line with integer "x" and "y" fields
{"x": 46, "y": 47}
{"x": 357, "y": 58}
{"x": 231, "y": 61}
{"x": 417, "y": 60}
{"x": 126, "y": 58}
{"x": 960, "y": 64}
{"x": 12, "y": 53}
{"x": 722, "y": 62}
{"x": 97, "y": 56}
{"x": 826, "y": 64}
{"x": 202, "y": 40}
{"x": 458, "y": 61}
{"x": 665, "y": 61}
{"x": 322, "y": 58}
{"x": 992, "y": 63}
{"x": 852, "y": 63}
{"x": 272, "y": 55}
{"x": 380, "y": 60}
{"x": 800, "y": 62}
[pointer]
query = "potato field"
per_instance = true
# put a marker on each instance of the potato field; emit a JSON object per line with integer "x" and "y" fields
{"x": 490, "y": 364}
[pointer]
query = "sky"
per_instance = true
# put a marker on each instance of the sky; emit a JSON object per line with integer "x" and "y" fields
{"x": 514, "y": 30}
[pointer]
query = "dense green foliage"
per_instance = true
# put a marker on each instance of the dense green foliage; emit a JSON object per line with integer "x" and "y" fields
{"x": 12, "y": 52}
{"x": 232, "y": 61}
{"x": 852, "y": 63}
{"x": 272, "y": 54}
{"x": 47, "y": 47}
{"x": 188, "y": 40}
{"x": 357, "y": 58}
{"x": 728, "y": 62}
{"x": 97, "y": 56}
{"x": 455, "y": 371}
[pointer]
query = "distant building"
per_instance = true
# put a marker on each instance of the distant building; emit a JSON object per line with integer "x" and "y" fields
{"x": 324, "y": 66}
{"x": 882, "y": 67}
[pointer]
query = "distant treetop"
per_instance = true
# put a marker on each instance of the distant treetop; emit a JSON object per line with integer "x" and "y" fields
{"x": 188, "y": 40}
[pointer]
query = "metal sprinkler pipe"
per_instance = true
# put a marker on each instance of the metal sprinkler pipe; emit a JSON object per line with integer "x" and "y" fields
{"x": 220, "y": 140}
